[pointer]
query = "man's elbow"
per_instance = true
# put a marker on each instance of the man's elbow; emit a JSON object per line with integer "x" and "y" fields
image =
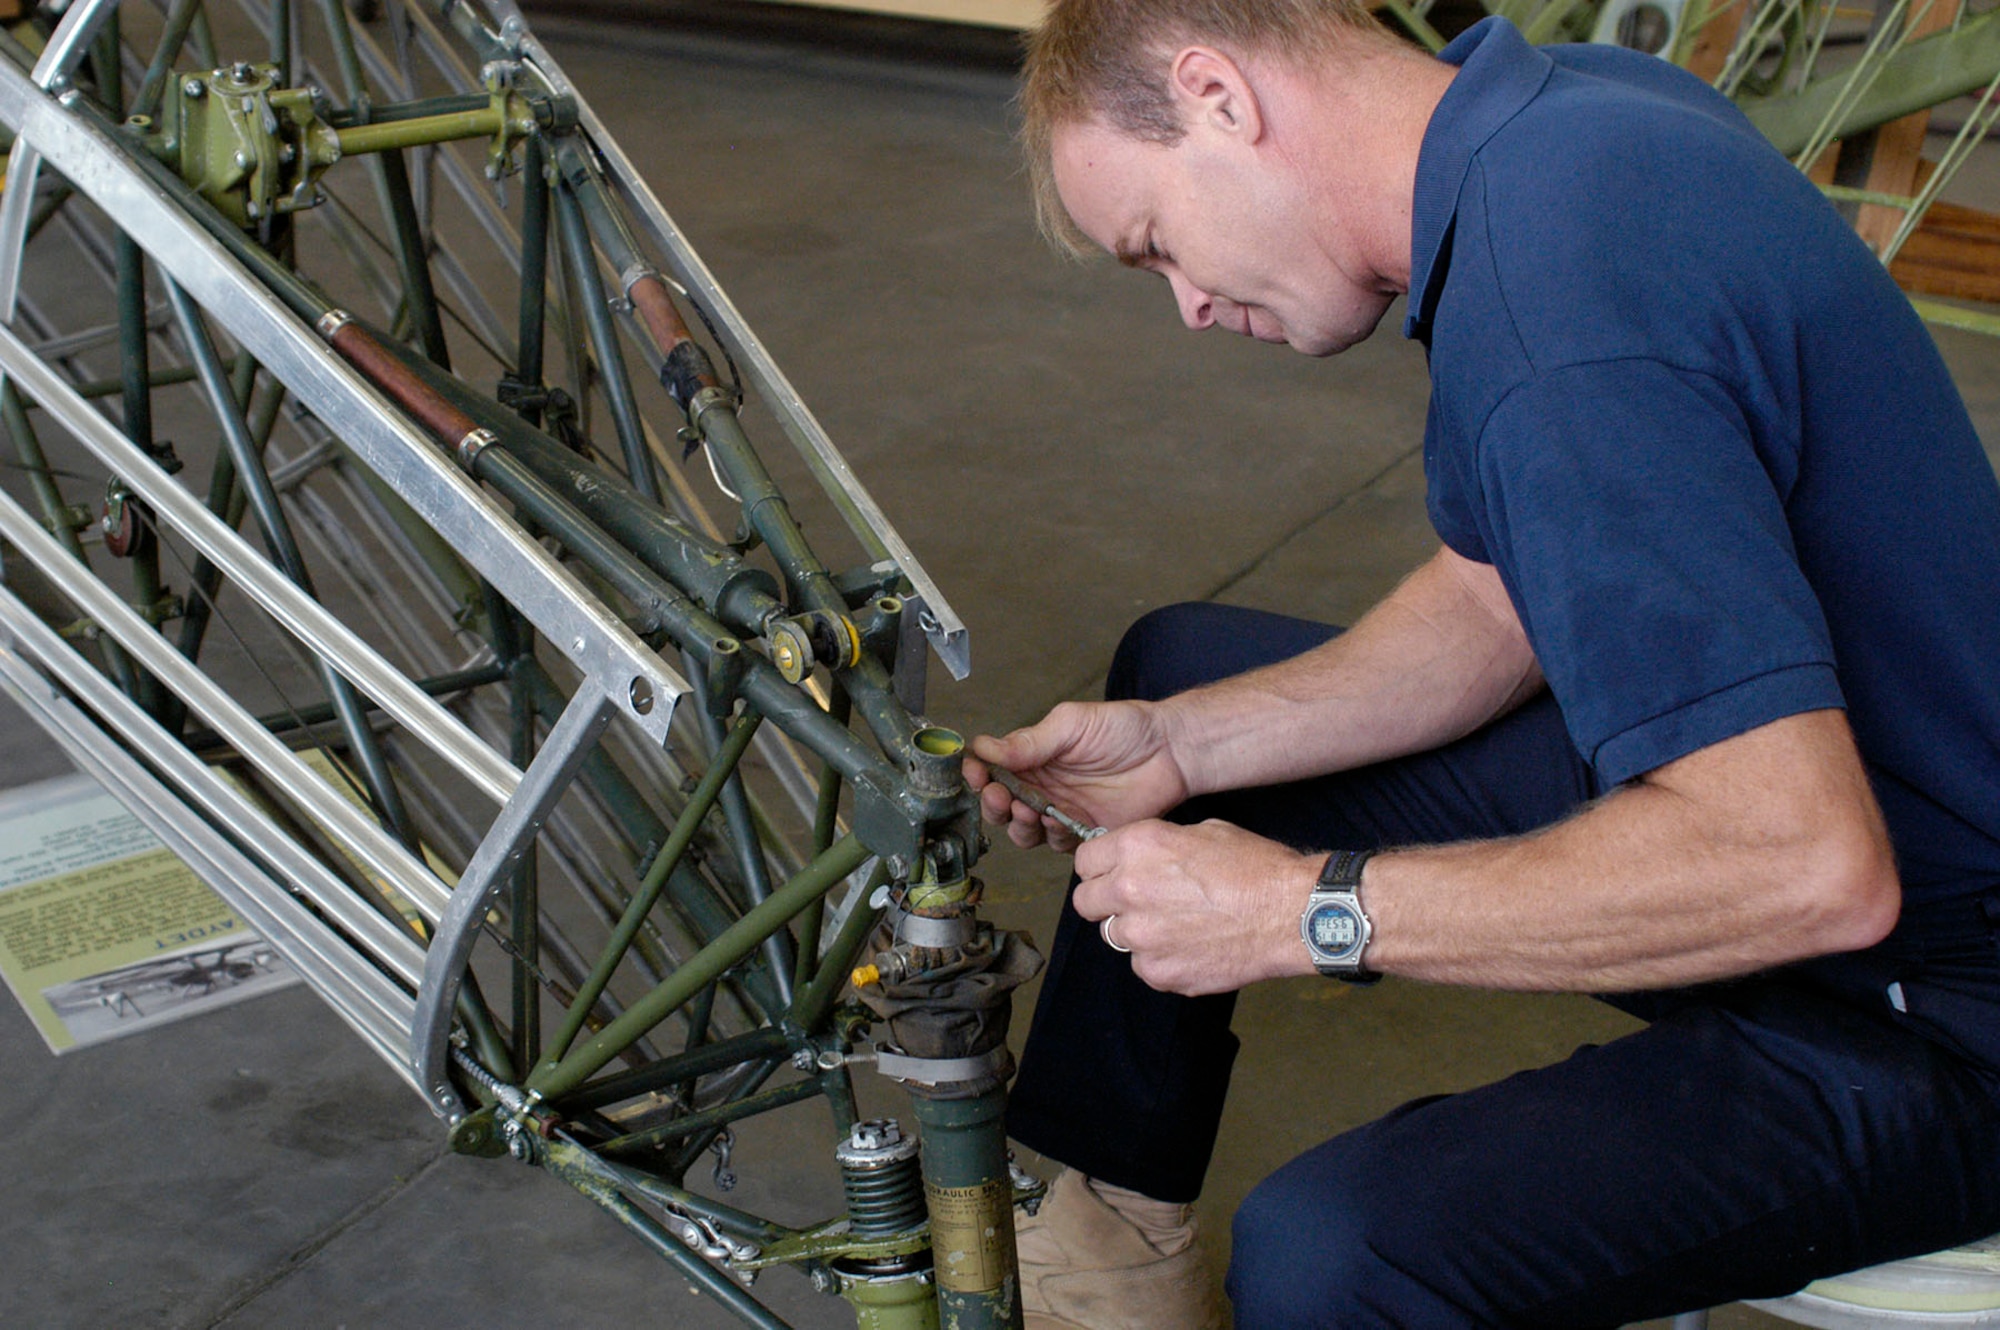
{"x": 1852, "y": 895}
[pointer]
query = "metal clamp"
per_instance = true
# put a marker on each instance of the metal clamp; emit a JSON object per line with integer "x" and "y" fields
{"x": 940, "y": 1071}
{"x": 473, "y": 444}
{"x": 706, "y": 400}
{"x": 924, "y": 930}
{"x": 634, "y": 275}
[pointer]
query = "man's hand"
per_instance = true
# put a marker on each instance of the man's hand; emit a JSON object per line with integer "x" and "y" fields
{"x": 1107, "y": 763}
{"x": 1204, "y": 909}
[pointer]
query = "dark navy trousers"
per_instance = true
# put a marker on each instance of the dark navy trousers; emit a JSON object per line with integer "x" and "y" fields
{"x": 1755, "y": 1135}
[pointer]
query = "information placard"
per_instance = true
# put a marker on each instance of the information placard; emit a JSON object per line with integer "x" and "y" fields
{"x": 103, "y": 930}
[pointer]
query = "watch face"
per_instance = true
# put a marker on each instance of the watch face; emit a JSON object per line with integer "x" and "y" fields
{"x": 1333, "y": 929}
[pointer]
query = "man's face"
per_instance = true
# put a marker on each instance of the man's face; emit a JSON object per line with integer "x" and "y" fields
{"x": 1233, "y": 234}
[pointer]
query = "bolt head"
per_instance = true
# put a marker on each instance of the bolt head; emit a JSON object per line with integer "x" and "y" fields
{"x": 194, "y": 88}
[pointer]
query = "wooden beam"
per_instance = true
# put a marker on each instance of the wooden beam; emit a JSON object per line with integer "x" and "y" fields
{"x": 1954, "y": 253}
{"x": 1899, "y": 145}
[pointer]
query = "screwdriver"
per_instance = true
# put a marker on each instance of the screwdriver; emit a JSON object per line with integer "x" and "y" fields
{"x": 1038, "y": 801}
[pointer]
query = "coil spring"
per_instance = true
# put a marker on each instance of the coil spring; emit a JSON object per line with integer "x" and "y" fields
{"x": 883, "y": 1179}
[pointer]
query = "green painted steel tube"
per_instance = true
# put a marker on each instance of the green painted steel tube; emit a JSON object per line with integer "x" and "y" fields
{"x": 399, "y": 205}
{"x": 721, "y": 1115}
{"x": 1955, "y": 316}
{"x": 765, "y": 508}
{"x": 971, "y": 1200}
{"x": 826, "y": 813}
{"x": 740, "y": 594}
{"x": 695, "y": 1145}
{"x": 204, "y": 40}
{"x": 1924, "y": 73}
{"x": 701, "y": 969}
{"x": 1415, "y": 24}
{"x": 173, "y": 36}
{"x": 574, "y": 236}
{"x": 418, "y": 132}
{"x": 720, "y": 768}
{"x": 284, "y": 550}
{"x": 513, "y": 643}
{"x": 278, "y": 538}
{"x": 663, "y": 606}
{"x": 753, "y": 1046}
{"x": 55, "y": 515}
{"x": 160, "y": 378}
{"x": 744, "y": 841}
{"x": 33, "y": 461}
{"x": 584, "y": 177}
{"x": 381, "y": 113}
{"x": 107, "y": 62}
{"x": 279, "y": 33}
{"x": 419, "y": 294}
{"x": 227, "y": 500}
{"x": 699, "y": 905}
{"x": 813, "y": 1001}
{"x": 826, "y": 809}
{"x": 135, "y": 367}
{"x": 727, "y": 1218}
{"x": 534, "y": 273}
{"x": 573, "y": 1164}
{"x": 320, "y": 713}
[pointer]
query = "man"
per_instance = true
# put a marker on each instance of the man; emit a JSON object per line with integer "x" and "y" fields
{"x": 1697, "y": 707}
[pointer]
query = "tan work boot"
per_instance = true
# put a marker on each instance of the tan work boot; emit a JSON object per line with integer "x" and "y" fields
{"x": 1097, "y": 1257}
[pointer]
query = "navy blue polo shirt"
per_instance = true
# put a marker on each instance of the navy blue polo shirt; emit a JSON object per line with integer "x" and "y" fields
{"x": 1712, "y": 453}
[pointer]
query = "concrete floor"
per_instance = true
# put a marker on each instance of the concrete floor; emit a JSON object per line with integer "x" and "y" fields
{"x": 1063, "y": 456}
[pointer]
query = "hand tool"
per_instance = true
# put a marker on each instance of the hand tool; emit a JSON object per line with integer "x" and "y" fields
{"x": 1038, "y": 801}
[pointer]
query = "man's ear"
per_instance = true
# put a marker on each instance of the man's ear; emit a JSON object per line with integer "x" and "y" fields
{"x": 1211, "y": 87}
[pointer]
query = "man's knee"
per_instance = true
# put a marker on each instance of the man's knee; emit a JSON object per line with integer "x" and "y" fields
{"x": 1178, "y": 647}
{"x": 1327, "y": 1241}
{"x": 1154, "y": 658}
{"x": 1299, "y": 1249}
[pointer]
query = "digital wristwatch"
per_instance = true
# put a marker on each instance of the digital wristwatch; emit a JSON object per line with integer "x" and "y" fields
{"x": 1334, "y": 926}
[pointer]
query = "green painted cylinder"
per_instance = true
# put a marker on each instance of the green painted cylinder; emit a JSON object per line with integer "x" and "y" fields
{"x": 971, "y": 1200}
{"x": 892, "y": 1302}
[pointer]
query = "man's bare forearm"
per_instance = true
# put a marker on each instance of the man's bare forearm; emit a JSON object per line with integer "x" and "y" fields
{"x": 1440, "y": 656}
{"x": 1759, "y": 850}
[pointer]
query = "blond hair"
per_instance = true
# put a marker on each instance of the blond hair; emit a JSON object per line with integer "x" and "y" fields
{"x": 1107, "y": 60}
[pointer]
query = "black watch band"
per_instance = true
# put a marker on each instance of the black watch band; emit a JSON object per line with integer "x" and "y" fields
{"x": 1343, "y": 869}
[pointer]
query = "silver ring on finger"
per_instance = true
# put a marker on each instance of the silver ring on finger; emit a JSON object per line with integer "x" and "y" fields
{"x": 1104, "y": 931}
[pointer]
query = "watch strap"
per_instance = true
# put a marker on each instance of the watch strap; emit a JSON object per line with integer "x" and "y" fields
{"x": 1343, "y": 868}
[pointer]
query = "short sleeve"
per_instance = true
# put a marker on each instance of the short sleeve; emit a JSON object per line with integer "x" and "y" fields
{"x": 1641, "y": 532}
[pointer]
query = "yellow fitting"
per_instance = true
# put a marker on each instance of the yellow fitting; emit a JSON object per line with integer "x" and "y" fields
{"x": 865, "y": 975}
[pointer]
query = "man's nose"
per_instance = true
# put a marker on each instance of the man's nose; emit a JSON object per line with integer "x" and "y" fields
{"x": 1197, "y": 306}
